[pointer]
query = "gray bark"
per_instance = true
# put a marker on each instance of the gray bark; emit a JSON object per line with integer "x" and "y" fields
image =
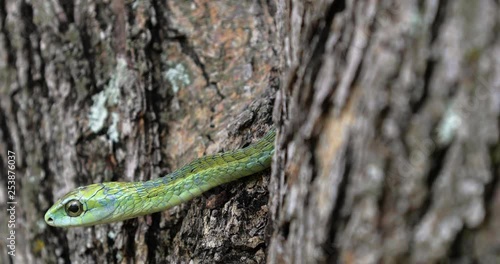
{"x": 389, "y": 150}
{"x": 388, "y": 120}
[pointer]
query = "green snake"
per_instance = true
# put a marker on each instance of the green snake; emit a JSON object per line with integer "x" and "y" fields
{"x": 108, "y": 202}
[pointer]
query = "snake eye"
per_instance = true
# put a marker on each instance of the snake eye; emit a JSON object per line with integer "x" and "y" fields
{"x": 73, "y": 208}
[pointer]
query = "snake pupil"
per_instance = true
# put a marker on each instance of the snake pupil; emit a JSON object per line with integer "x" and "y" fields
{"x": 74, "y": 208}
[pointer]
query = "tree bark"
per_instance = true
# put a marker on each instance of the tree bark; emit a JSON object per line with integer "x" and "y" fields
{"x": 387, "y": 115}
{"x": 389, "y": 148}
{"x": 95, "y": 91}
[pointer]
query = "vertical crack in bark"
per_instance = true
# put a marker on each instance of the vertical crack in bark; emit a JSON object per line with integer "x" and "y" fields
{"x": 89, "y": 56}
{"x": 64, "y": 14}
{"x": 431, "y": 61}
{"x": 69, "y": 9}
{"x": 429, "y": 70}
{"x": 493, "y": 185}
{"x": 153, "y": 99}
{"x": 455, "y": 249}
{"x": 317, "y": 41}
{"x": 337, "y": 219}
{"x": 150, "y": 237}
{"x": 438, "y": 155}
{"x": 5, "y": 132}
{"x": 130, "y": 249}
{"x": 27, "y": 29}
{"x": 10, "y": 53}
{"x": 437, "y": 163}
{"x": 438, "y": 20}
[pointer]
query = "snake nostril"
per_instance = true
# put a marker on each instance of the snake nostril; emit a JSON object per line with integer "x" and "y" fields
{"x": 49, "y": 219}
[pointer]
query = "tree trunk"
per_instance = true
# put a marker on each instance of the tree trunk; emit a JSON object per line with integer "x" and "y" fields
{"x": 388, "y": 120}
{"x": 95, "y": 91}
{"x": 389, "y": 150}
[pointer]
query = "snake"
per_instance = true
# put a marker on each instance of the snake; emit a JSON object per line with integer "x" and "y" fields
{"x": 108, "y": 202}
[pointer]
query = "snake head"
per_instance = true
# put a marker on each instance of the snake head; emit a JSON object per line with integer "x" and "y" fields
{"x": 83, "y": 206}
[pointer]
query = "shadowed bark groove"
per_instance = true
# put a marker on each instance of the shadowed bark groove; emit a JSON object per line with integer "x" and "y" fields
{"x": 387, "y": 115}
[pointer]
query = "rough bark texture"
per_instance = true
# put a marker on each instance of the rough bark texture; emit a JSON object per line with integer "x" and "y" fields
{"x": 388, "y": 119}
{"x": 389, "y": 149}
{"x": 96, "y": 91}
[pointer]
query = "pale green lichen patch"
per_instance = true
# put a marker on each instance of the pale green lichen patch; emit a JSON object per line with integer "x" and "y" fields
{"x": 113, "y": 129}
{"x": 109, "y": 97}
{"x": 448, "y": 126}
{"x": 98, "y": 111}
{"x": 178, "y": 77}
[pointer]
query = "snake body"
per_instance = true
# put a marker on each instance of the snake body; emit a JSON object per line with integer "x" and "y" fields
{"x": 108, "y": 202}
